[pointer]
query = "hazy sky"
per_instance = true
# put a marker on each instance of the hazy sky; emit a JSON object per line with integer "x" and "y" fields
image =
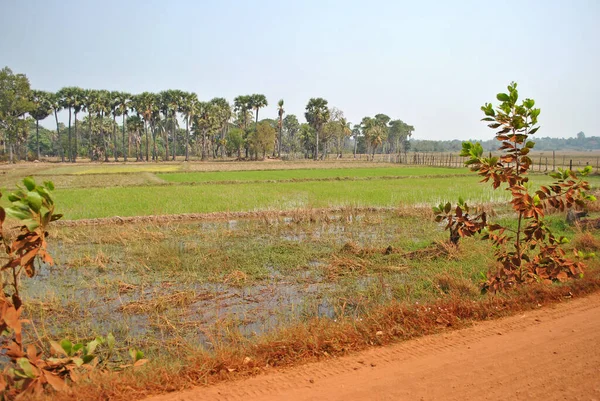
{"x": 429, "y": 63}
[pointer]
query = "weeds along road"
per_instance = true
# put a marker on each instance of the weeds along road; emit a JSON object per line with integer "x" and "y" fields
{"x": 549, "y": 354}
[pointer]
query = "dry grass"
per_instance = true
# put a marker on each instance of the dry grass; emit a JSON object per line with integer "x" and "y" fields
{"x": 160, "y": 303}
{"x": 324, "y": 338}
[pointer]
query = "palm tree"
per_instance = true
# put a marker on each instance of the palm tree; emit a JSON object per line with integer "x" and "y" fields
{"x": 241, "y": 105}
{"x": 134, "y": 126}
{"x": 43, "y": 108}
{"x": 104, "y": 107}
{"x": 122, "y": 109}
{"x": 222, "y": 113}
{"x": 204, "y": 120}
{"x": 345, "y": 132}
{"x": 78, "y": 103}
{"x": 280, "y": 112}
{"x": 91, "y": 106}
{"x": 258, "y": 101}
{"x": 115, "y": 103}
{"x": 66, "y": 102}
{"x": 187, "y": 107}
{"x": 146, "y": 104}
{"x": 375, "y": 132}
{"x": 317, "y": 114}
{"x": 56, "y": 105}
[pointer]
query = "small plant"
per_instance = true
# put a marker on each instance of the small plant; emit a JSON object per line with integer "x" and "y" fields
{"x": 459, "y": 222}
{"x": 529, "y": 252}
{"x": 27, "y": 370}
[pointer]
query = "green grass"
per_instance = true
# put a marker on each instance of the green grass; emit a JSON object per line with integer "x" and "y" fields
{"x": 306, "y": 174}
{"x": 156, "y": 200}
{"x": 112, "y": 169}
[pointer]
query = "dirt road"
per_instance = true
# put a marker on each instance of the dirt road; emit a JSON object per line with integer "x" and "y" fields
{"x": 548, "y": 354}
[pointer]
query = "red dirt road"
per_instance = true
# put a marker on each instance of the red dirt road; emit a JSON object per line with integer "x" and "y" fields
{"x": 548, "y": 354}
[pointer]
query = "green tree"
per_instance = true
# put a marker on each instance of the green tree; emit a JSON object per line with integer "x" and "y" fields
{"x": 15, "y": 103}
{"x": 235, "y": 141}
{"x": 317, "y": 114}
{"x": 123, "y": 106}
{"x": 187, "y": 107}
{"x": 42, "y": 109}
{"x": 291, "y": 127}
{"x": 222, "y": 113}
{"x": 257, "y": 102}
{"x": 262, "y": 139}
{"x": 55, "y": 103}
{"x": 204, "y": 122}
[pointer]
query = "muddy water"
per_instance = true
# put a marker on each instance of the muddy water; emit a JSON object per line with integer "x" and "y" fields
{"x": 144, "y": 307}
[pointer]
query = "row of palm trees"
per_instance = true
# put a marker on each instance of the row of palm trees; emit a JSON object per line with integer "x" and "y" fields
{"x": 155, "y": 112}
{"x": 151, "y": 116}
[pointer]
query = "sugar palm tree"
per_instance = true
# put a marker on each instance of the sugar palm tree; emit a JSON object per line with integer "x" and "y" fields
{"x": 42, "y": 109}
{"x": 56, "y": 105}
{"x": 317, "y": 114}
{"x": 258, "y": 101}
{"x": 280, "y": 112}
{"x": 90, "y": 103}
{"x": 78, "y": 103}
{"x": 104, "y": 108}
{"x": 187, "y": 107}
{"x": 123, "y": 106}
{"x": 222, "y": 114}
{"x": 204, "y": 121}
{"x": 146, "y": 104}
{"x": 135, "y": 126}
{"x": 65, "y": 97}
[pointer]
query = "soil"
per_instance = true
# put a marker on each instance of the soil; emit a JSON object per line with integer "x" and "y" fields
{"x": 552, "y": 353}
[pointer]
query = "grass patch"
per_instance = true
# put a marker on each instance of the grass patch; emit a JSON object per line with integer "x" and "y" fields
{"x": 305, "y": 174}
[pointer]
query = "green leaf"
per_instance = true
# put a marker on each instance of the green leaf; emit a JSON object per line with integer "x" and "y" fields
{"x": 77, "y": 347}
{"x": 35, "y": 201}
{"x": 13, "y": 197}
{"x": 67, "y": 346}
{"x": 503, "y": 97}
{"x": 29, "y": 183}
{"x": 26, "y": 367}
{"x": 110, "y": 341}
{"x": 530, "y": 144}
{"x": 88, "y": 358}
{"x": 533, "y": 131}
{"x": 49, "y": 185}
{"x": 18, "y": 213}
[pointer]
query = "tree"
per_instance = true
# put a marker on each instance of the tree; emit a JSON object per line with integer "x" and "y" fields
{"x": 135, "y": 127}
{"x": 42, "y": 109}
{"x": 15, "y": 102}
{"x": 204, "y": 122}
{"x": 257, "y": 101}
{"x": 280, "y": 112}
{"x": 317, "y": 114}
{"x": 123, "y": 105}
{"x": 222, "y": 114}
{"x": 103, "y": 107}
{"x": 90, "y": 104}
{"x": 146, "y": 104}
{"x": 291, "y": 126}
{"x": 235, "y": 141}
{"x": 55, "y": 103}
{"x": 262, "y": 139}
{"x": 527, "y": 251}
{"x": 375, "y": 132}
{"x": 187, "y": 107}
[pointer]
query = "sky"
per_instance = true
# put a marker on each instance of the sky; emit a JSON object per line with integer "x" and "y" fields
{"x": 431, "y": 64}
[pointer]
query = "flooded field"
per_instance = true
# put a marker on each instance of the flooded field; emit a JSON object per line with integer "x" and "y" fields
{"x": 200, "y": 283}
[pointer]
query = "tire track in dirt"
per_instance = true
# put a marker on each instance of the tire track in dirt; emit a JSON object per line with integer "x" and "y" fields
{"x": 550, "y": 354}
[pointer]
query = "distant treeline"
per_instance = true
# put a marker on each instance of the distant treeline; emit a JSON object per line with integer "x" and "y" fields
{"x": 579, "y": 142}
